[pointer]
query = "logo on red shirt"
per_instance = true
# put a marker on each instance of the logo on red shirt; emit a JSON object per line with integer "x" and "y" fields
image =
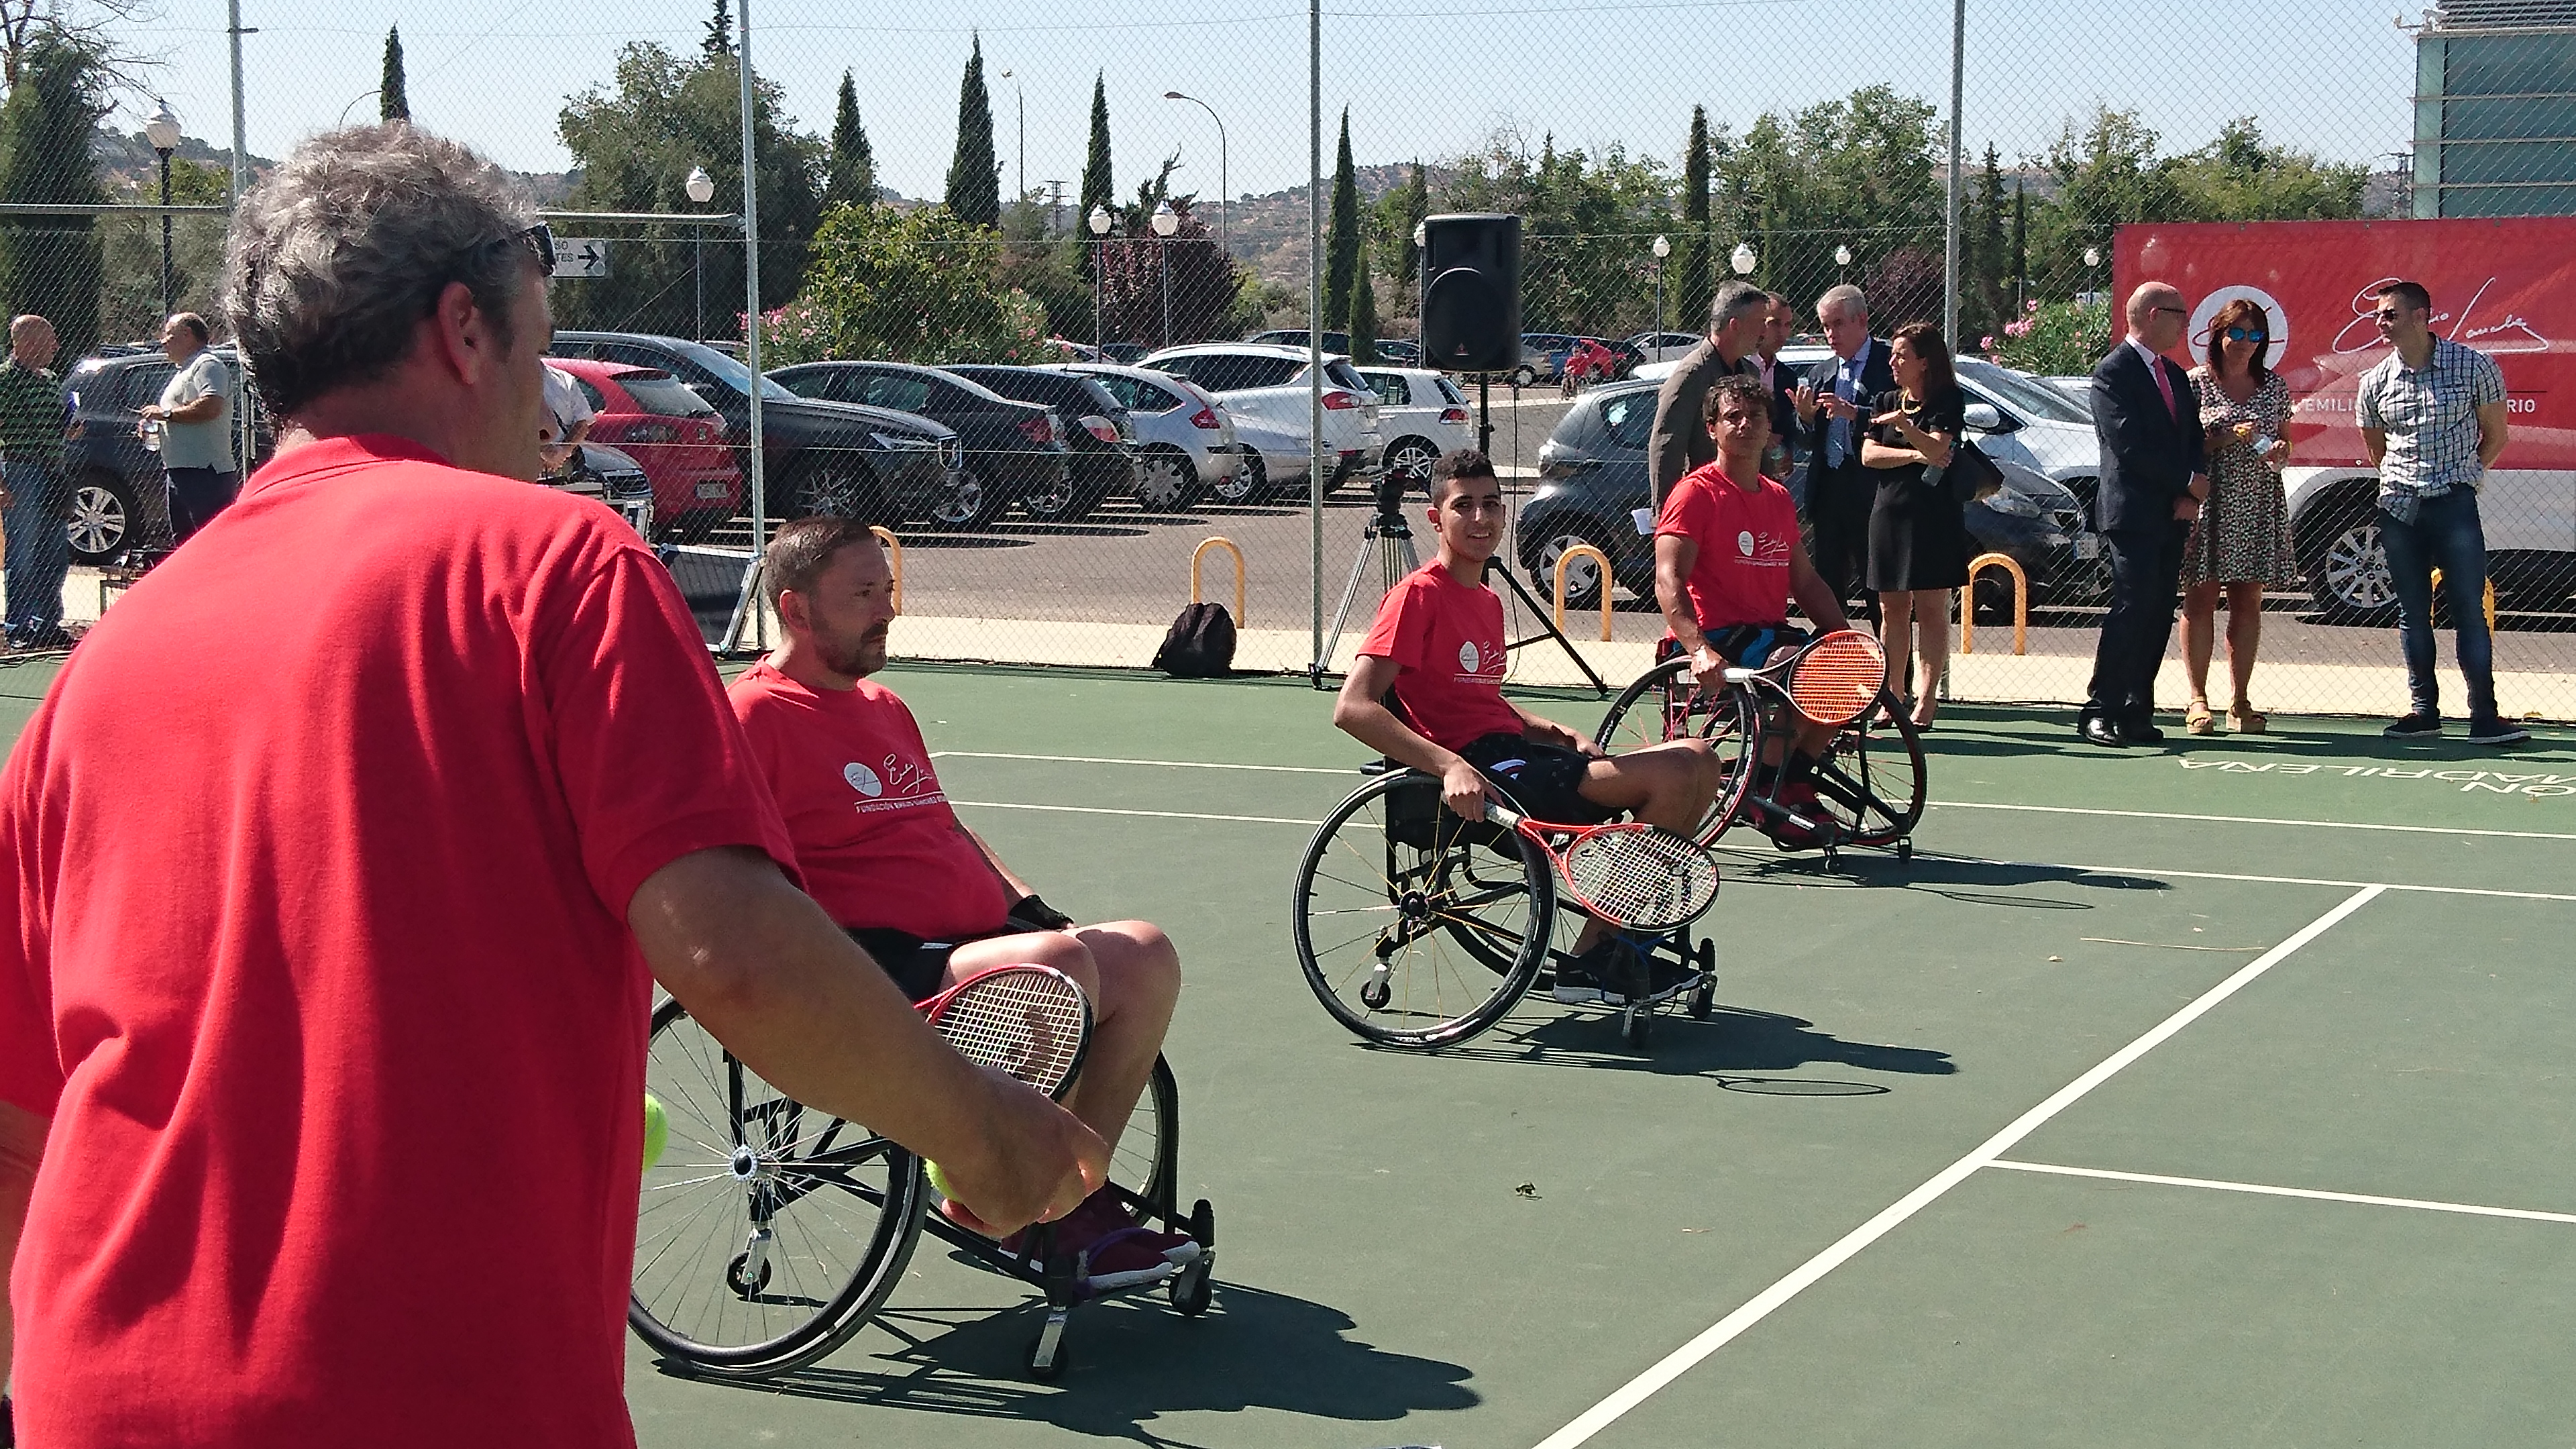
{"x": 910, "y": 783}
{"x": 863, "y": 779}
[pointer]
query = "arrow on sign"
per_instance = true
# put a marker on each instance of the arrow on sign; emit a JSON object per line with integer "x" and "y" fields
{"x": 581, "y": 257}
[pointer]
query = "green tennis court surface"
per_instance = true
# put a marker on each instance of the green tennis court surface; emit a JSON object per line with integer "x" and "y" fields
{"x": 2212, "y": 1095}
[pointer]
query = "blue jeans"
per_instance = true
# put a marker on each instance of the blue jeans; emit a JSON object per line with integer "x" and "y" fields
{"x": 40, "y": 552}
{"x": 2445, "y": 535}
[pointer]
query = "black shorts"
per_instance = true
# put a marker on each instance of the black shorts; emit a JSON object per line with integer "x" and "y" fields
{"x": 1543, "y": 782}
{"x": 919, "y": 967}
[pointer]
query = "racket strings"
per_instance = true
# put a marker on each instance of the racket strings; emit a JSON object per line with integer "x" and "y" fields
{"x": 1642, "y": 877}
{"x": 1030, "y": 1025}
{"x": 1837, "y": 677}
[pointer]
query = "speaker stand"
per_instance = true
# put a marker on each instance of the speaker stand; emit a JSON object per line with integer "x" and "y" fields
{"x": 1546, "y": 625}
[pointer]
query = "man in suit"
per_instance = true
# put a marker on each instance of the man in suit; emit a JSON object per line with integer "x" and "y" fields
{"x": 2154, "y": 478}
{"x": 1833, "y": 403}
{"x": 1781, "y": 383}
{"x": 1680, "y": 441}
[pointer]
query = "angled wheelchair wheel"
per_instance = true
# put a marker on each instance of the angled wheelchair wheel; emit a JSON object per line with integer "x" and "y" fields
{"x": 1416, "y": 928}
{"x": 1871, "y": 782}
{"x": 1664, "y": 705}
{"x": 768, "y": 1233}
{"x": 1146, "y": 1165}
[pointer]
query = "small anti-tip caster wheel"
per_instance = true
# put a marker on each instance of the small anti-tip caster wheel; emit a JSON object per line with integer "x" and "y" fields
{"x": 1703, "y": 999}
{"x": 1374, "y": 994}
{"x": 1904, "y": 851}
{"x": 1634, "y": 1026}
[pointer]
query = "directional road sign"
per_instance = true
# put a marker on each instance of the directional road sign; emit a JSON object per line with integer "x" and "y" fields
{"x": 580, "y": 257}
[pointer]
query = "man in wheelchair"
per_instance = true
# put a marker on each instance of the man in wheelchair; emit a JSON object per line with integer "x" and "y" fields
{"x": 1728, "y": 559}
{"x": 1438, "y": 649}
{"x": 883, "y": 853}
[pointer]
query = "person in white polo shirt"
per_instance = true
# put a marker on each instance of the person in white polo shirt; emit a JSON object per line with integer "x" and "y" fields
{"x": 195, "y": 416}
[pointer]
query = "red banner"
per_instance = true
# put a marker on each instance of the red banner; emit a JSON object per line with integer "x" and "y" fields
{"x": 2506, "y": 287}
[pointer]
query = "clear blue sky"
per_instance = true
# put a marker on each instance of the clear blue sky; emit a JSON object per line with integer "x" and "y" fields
{"x": 2333, "y": 76}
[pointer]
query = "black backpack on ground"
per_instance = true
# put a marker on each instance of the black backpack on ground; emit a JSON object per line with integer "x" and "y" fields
{"x": 1200, "y": 644}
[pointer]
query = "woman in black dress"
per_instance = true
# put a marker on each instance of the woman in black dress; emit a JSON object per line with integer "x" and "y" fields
{"x": 1918, "y": 535}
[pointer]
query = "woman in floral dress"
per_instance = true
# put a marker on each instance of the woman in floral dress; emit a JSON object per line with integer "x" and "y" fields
{"x": 2241, "y": 541}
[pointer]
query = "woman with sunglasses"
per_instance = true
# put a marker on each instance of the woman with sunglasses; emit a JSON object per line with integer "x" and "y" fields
{"x": 2241, "y": 541}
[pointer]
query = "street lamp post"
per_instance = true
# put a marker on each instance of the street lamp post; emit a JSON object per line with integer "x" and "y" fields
{"x": 1742, "y": 259}
{"x": 1166, "y": 222}
{"x": 1842, "y": 262}
{"x": 1099, "y": 223}
{"x": 1224, "y": 239}
{"x": 1663, "y": 249}
{"x": 1022, "y": 98}
{"x": 2092, "y": 259}
{"x": 702, "y": 189}
{"x": 162, "y": 131}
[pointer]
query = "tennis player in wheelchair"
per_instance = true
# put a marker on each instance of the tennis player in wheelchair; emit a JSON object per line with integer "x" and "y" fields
{"x": 1438, "y": 647}
{"x": 1728, "y": 559}
{"x": 883, "y": 853}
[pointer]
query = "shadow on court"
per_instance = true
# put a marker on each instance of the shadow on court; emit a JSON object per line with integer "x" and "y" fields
{"x": 1729, "y": 1045}
{"x": 1967, "y": 879}
{"x": 1132, "y": 1363}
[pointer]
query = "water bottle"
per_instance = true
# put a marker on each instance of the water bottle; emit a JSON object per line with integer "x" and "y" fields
{"x": 2263, "y": 445}
{"x": 152, "y": 434}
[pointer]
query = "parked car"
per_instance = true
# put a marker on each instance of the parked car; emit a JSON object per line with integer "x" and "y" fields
{"x": 1542, "y": 357}
{"x": 596, "y": 470}
{"x": 1264, "y": 389}
{"x": 1299, "y": 338}
{"x": 1129, "y": 353}
{"x": 2016, "y": 417}
{"x": 1592, "y": 473}
{"x": 117, "y": 497}
{"x": 1402, "y": 351}
{"x": 1013, "y": 450}
{"x": 1093, "y": 423}
{"x": 672, "y": 433}
{"x": 1424, "y": 413}
{"x": 1185, "y": 440}
{"x": 841, "y": 459}
{"x": 1662, "y": 346}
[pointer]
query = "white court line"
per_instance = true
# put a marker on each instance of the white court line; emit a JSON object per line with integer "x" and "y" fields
{"x": 2366, "y": 1199}
{"x": 2252, "y": 820}
{"x": 1166, "y": 764}
{"x": 1673, "y": 1365}
{"x": 1151, "y": 814}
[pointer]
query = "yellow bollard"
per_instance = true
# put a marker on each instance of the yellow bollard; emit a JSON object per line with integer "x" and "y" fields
{"x": 2021, "y": 603}
{"x": 1219, "y": 541}
{"x": 1601, "y": 561}
{"x": 894, "y": 559}
{"x": 2437, "y": 584}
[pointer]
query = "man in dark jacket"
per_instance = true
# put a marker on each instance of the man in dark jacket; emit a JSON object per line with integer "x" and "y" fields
{"x": 1680, "y": 440}
{"x": 1834, "y": 406}
{"x": 2154, "y": 479}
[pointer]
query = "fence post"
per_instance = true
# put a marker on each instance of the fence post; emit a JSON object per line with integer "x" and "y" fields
{"x": 1219, "y": 541}
{"x": 894, "y": 559}
{"x": 1601, "y": 560}
{"x": 2021, "y": 603}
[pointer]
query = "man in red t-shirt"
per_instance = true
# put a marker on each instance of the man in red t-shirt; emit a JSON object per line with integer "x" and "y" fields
{"x": 1438, "y": 647}
{"x": 1728, "y": 560}
{"x": 327, "y": 944}
{"x": 887, "y": 859}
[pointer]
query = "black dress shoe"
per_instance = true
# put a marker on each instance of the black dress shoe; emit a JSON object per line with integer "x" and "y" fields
{"x": 2101, "y": 731}
{"x": 2141, "y": 732}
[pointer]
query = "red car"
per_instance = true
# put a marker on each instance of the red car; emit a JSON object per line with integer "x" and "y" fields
{"x": 672, "y": 434}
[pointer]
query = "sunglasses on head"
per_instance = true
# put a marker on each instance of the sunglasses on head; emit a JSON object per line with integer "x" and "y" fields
{"x": 539, "y": 239}
{"x": 2245, "y": 334}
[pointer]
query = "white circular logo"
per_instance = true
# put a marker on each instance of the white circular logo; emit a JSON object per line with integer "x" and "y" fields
{"x": 1467, "y": 656}
{"x": 1744, "y": 543}
{"x": 863, "y": 779}
{"x": 2277, "y": 319}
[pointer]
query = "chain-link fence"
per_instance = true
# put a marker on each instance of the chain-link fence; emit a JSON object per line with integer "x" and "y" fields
{"x": 1114, "y": 187}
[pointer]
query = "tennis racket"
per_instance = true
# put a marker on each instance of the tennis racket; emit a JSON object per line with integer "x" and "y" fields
{"x": 1627, "y": 874}
{"x": 1833, "y": 680}
{"x": 1032, "y": 1022}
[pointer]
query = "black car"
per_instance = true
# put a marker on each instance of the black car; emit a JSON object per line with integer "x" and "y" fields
{"x": 830, "y": 458}
{"x": 1092, "y": 420}
{"x": 1592, "y": 481}
{"x": 1013, "y": 450}
{"x": 117, "y": 498}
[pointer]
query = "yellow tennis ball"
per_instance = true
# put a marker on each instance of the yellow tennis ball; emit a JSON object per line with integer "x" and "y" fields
{"x": 657, "y": 1130}
{"x": 938, "y": 1179}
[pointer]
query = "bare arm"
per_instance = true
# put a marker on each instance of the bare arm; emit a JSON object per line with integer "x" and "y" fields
{"x": 769, "y": 975}
{"x": 204, "y": 410}
{"x": 1675, "y": 555}
{"x": 2375, "y": 443}
{"x": 1360, "y": 713}
{"x": 2491, "y": 433}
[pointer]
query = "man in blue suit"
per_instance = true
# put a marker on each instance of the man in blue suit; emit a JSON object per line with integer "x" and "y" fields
{"x": 1833, "y": 405}
{"x": 2154, "y": 478}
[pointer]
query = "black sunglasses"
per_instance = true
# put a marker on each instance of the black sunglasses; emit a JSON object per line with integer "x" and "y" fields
{"x": 2245, "y": 334}
{"x": 539, "y": 239}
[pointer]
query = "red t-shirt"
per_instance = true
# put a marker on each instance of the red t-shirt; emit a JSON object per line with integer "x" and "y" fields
{"x": 1742, "y": 573}
{"x": 875, "y": 838}
{"x": 1446, "y": 639}
{"x": 313, "y": 944}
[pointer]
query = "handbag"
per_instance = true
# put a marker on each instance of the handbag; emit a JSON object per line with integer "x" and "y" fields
{"x": 1972, "y": 475}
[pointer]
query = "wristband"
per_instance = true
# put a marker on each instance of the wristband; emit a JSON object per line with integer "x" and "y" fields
{"x": 1030, "y": 911}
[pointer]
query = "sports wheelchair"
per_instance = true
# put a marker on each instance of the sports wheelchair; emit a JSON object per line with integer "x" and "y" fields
{"x": 1419, "y": 929}
{"x": 1869, "y": 784}
{"x": 769, "y": 1234}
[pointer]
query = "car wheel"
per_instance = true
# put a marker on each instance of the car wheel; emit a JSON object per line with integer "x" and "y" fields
{"x": 103, "y": 518}
{"x": 1246, "y": 483}
{"x": 1583, "y": 582}
{"x": 1054, "y": 503}
{"x": 966, "y": 503}
{"x": 1524, "y": 375}
{"x": 1166, "y": 481}
{"x": 2347, "y": 567}
{"x": 1411, "y": 460}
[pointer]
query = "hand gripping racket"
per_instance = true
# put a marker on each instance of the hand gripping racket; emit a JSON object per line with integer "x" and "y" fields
{"x": 1833, "y": 680}
{"x": 1031, "y": 1022}
{"x": 1627, "y": 874}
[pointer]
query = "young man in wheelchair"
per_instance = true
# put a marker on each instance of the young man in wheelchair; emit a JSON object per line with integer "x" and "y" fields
{"x": 884, "y": 854}
{"x": 1728, "y": 559}
{"x": 1438, "y": 648}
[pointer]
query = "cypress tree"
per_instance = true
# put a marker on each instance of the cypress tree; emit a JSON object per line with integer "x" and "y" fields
{"x": 1417, "y": 205}
{"x": 974, "y": 183}
{"x": 1097, "y": 188}
{"x": 51, "y": 265}
{"x": 852, "y": 179}
{"x": 393, "y": 102}
{"x": 719, "y": 36}
{"x": 1342, "y": 246}
{"x": 1986, "y": 252}
{"x": 1692, "y": 283}
{"x": 1362, "y": 324}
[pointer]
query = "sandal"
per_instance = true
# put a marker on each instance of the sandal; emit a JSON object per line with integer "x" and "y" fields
{"x": 2246, "y": 720}
{"x": 2198, "y": 720}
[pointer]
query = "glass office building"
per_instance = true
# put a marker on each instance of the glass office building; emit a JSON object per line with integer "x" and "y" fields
{"x": 2495, "y": 109}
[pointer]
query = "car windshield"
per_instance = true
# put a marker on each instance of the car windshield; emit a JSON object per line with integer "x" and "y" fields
{"x": 731, "y": 372}
{"x": 2023, "y": 393}
{"x": 664, "y": 395}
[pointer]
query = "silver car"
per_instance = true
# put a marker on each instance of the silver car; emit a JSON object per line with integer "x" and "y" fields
{"x": 1185, "y": 442}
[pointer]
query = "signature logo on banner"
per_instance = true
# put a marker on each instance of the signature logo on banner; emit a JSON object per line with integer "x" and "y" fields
{"x": 2511, "y": 332}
